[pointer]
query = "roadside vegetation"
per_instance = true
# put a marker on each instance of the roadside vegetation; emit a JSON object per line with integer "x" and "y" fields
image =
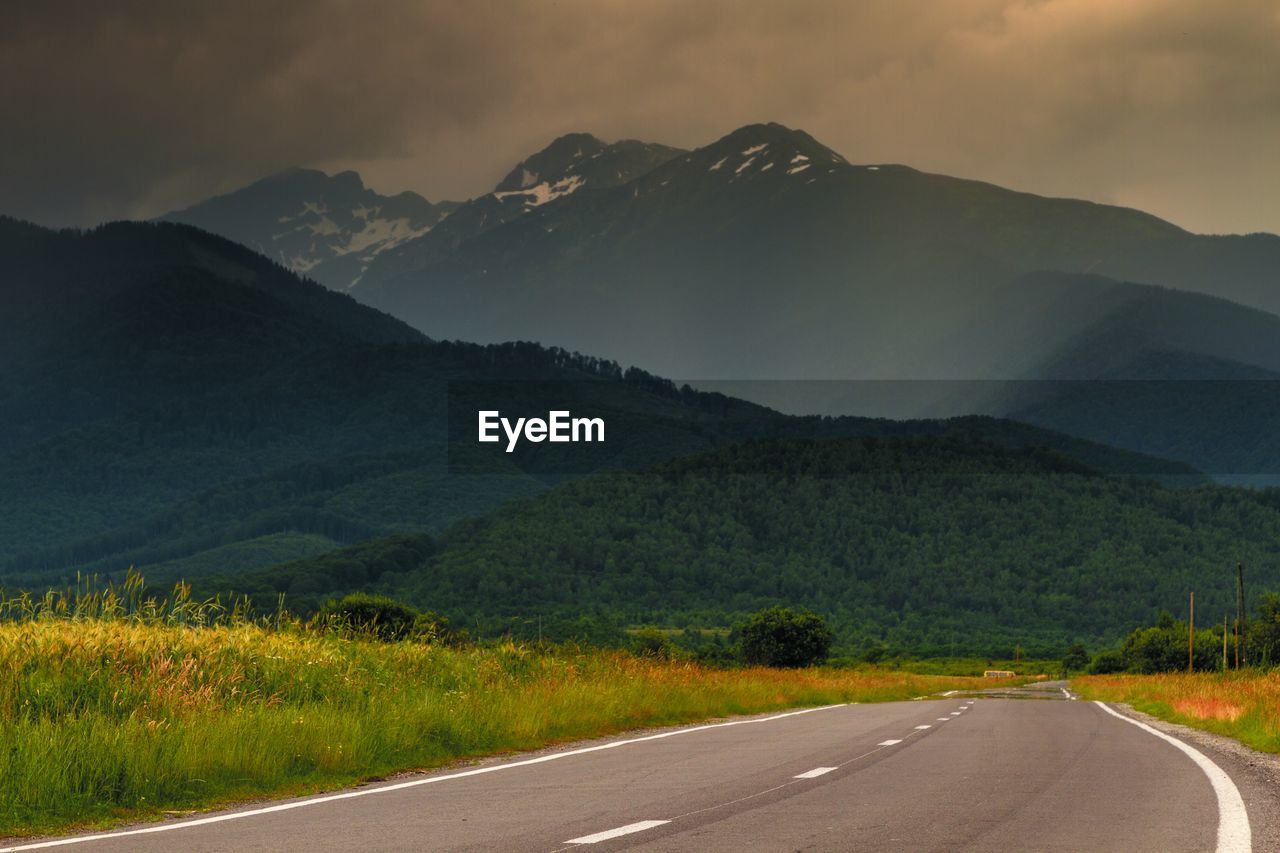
{"x": 116, "y": 705}
{"x": 1233, "y": 688}
{"x": 1244, "y": 705}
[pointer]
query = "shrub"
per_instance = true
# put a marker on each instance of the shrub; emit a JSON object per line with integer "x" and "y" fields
{"x": 651, "y": 643}
{"x": 875, "y": 652}
{"x": 782, "y": 637}
{"x": 1105, "y": 663}
{"x": 373, "y": 615}
{"x": 1076, "y": 658}
{"x": 431, "y": 627}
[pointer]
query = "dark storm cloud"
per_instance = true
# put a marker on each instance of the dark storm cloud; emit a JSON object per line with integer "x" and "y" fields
{"x": 131, "y": 109}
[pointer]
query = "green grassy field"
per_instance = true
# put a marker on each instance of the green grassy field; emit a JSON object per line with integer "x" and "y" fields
{"x": 1244, "y": 705}
{"x": 103, "y": 719}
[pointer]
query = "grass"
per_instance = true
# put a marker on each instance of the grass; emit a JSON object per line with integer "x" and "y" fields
{"x": 973, "y": 666}
{"x": 114, "y": 707}
{"x": 1244, "y": 705}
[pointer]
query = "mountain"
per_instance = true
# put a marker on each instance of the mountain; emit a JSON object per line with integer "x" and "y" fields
{"x": 1177, "y": 374}
{"x": 569, "y": 164}
{"x": 328, "y": 227}
{"x": 94, "y": 323}
{"x": 175, "y": 401}
{"x": 584, "y": 161}
{"x": 1053, "y": 325}
{"x": 332, "y": 227}
{"x": 932, "y": 545}
{"x": 765, "y": 262}
{"x": 766, "y": 255}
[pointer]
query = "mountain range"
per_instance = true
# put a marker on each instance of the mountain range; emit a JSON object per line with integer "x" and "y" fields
{"x": 767, "y": 266}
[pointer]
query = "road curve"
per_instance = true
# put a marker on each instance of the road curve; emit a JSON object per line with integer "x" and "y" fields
{"x": 1000, "y": 772}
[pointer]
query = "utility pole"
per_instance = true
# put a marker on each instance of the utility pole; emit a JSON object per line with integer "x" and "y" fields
{"x": 1224, "y": 643}
{"x": 1191, "y": 637}
{"x": 1242, "y": 620}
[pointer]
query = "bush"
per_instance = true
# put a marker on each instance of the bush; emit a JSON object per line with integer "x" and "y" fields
{"x": 431, "y": 627}
{"x": 875, "y": 652}
{"x": 1105, "y": 663}
{"x": 1076, "y": 658}
{"x": 372, "y": 615}
{"x": 782, "y": 637}
{"x": 650, "y": 642}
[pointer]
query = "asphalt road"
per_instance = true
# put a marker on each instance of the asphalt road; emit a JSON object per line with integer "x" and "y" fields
{"x": 954, "y": 773}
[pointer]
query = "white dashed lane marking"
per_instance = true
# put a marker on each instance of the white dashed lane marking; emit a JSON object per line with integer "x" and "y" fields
{"x": 815, "y": 772}
{"x": 596, "y": 838}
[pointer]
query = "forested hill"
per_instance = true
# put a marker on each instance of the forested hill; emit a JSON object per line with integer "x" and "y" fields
{"x": 930, "y": 545}
{"x": 129, "y": 314}
{"x": 174, "y": 401}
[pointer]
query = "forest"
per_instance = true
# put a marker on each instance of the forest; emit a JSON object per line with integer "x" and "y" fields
{"x": 927, "y": 546}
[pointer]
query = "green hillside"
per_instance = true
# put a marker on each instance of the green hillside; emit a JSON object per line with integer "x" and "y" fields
{"x": 932, "y": 545}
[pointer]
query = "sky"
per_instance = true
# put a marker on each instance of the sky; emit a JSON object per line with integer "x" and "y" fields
{"x": 130, "y": 109}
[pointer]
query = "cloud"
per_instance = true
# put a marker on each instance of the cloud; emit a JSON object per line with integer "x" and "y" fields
{"x": 131, "y": 109}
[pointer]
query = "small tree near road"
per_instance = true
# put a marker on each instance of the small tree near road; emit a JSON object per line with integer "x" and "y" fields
{"x": 1076, "y": 659}
{"x": 782, "y": 637}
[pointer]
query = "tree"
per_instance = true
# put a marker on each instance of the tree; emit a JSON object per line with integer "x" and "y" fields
{"x": 1264, "y": 633}
{"x": 1076, "y": 658}
{"x": 782, "y": 637}
{"x": 1163, "y": 648}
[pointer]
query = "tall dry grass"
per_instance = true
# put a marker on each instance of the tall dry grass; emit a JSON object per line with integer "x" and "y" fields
{"x": 1244, "y": 705}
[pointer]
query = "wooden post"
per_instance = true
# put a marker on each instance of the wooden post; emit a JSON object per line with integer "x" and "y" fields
{"x": 1243, "y": 635}
{"x": 1224, "y": 643}
{"x": 1191, "y": 637}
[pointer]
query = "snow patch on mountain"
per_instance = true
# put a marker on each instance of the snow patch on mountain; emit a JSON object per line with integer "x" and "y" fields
{"x": 540, "y": 194}
{"x": 380, "y": 235}
{"x": 324, "y": 228}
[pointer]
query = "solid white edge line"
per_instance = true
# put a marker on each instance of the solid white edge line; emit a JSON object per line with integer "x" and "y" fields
{"x": 638, "y": 826}
{"x": 814, "y": 773}
{"x": 412, "y": 783}
{"x": 1234, "y": 834}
